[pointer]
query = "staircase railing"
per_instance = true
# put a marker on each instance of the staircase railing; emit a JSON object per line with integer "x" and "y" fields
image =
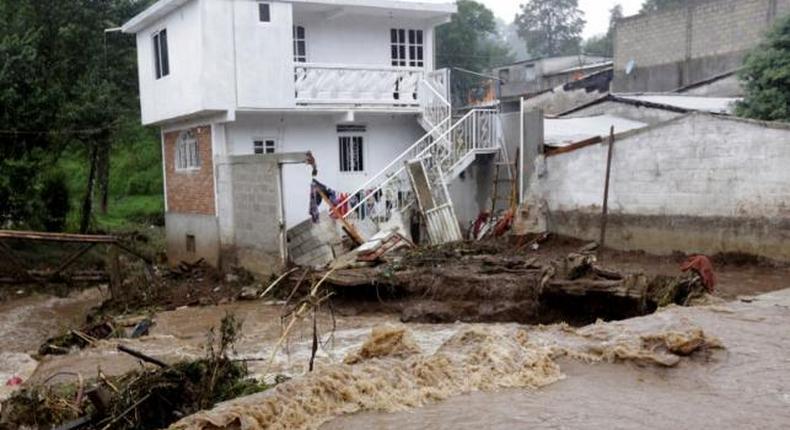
{"x": 390, "y": 190}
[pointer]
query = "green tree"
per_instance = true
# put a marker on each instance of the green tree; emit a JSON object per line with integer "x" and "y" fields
{"x": 551, "y": 27}
{"x": 604, "y": 45}
{"x": 56, "y": 93}
{"x": 656, "y": 5}
{"x": 471, "y": 42}
{"x": 766, "y": 77}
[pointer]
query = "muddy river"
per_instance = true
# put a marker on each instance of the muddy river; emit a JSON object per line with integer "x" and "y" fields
{"x": 434, "y": 376}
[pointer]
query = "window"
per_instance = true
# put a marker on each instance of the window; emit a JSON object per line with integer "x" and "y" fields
{"x": 187, "y": 155}
{"x": 264, "y": 12}
{"x": 264, "y": 146}
{"x": 300, "y": 46}
{"x": 351, "y": 146}
{"x": 161, "y": 56}
{"x": 406, "y": 48}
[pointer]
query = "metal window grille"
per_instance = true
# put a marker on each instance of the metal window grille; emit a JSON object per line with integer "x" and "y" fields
{"x": 161, "y": 54}
{"x": 187, "y": 154}
{"x": 300, "y": 44}
{"x": 351, "y": 153}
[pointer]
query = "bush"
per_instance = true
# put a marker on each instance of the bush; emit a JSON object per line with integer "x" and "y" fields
{"x": 766, "y": 77}
{"x": 54, "y": 199}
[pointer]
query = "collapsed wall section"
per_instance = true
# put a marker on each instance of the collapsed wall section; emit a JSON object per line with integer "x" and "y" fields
{"x": 700, "y": 183}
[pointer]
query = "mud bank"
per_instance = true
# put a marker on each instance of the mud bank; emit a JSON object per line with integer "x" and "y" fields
{"x": 389, "y": 373}
{"x": 485, "y": 282}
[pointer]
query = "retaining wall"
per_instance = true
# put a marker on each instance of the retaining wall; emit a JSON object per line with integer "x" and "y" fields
{"x": 699, "y": 183}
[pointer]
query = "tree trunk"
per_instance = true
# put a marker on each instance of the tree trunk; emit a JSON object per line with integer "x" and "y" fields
{"x": 87, "y": 201}
{"x": 103, "y": 173}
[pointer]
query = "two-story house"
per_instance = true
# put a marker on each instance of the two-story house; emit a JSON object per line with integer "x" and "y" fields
{"x": 352, "y": 81}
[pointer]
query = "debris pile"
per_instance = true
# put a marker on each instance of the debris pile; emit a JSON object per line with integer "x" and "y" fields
{"x": 149, "y": 398}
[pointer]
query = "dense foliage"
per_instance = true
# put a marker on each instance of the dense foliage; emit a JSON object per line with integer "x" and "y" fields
{"x": 604, "y": 45}
{"x": 766, "y": 77}
{"x": 470, "y": 42}
{"x": 656, "y": 5}
{"x": 67, "y": 92}
{"x": 551, "y": 27}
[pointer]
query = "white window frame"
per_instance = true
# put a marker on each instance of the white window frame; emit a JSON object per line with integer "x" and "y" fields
{"x": 264, "y": 147}
{"x": 407, "y": 47}
{"x": 187, "y": 152}
{"x": 297, "y": 57}
{"x": 161, "y": 69}
{"x": 258, "y": 12}
{"x": 362, "y": 135}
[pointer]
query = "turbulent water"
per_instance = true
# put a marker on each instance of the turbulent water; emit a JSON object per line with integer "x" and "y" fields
{"x": 633, "y": 373}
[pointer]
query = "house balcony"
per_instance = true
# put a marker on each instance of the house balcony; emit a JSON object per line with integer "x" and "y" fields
{"x": 328, "y": 85}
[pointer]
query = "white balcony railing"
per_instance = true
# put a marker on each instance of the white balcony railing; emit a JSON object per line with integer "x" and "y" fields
{"x": 321, "y": 84}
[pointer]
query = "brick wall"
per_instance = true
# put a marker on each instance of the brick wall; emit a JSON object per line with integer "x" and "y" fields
{"x": 690, "y": 43}
{"x": 190, "y": 191}
{"x": 314, "y": 244}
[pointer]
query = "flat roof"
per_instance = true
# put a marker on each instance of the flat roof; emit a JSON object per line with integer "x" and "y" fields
{"x": 559, "y": 132}
{"x": 162, "y": 8}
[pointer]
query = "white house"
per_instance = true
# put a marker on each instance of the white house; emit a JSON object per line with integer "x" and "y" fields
{"x": 351, "y": 81}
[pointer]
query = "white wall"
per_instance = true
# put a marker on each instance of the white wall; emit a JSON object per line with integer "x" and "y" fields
{"x": 357, "y": 40}
{"x": 178, "y": 93}
{"x": 264, "y": 56}
{"x": 698, "y": 183}
{"x": 223, "y": 58}
{"x": 387, "y": 136}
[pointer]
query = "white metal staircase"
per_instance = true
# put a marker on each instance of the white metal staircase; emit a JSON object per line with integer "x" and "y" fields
{"x": 447, "y": 149}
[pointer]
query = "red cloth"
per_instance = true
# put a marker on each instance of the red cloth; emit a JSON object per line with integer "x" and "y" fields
{"x": 14, "y": 381}
{"x": 479, "y": 223}
{"x": 704, "y": 268}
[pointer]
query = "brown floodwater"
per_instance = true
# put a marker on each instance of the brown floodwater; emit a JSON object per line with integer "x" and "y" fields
{"x": 498, "y": 376}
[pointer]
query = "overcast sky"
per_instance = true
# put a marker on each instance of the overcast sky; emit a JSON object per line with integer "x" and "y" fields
{"x": 596, "y": 12}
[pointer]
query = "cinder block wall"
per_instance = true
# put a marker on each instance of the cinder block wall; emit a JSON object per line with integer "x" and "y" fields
{"x": 690, "y": 43}
{"x": 699, "y": 183}
{"x": 253, "y": 185}
{"x": 314, "y": 244}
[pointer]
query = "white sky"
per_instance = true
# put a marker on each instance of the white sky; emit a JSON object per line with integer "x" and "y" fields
{"x": 596, "y": 12}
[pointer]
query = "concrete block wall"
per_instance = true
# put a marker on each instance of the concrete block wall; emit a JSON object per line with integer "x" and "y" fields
{"x": 699, "y": 183}
{"x": 690, "y": 43}
{"x": 314, "y": 244}
{"x": 256, "y": 211}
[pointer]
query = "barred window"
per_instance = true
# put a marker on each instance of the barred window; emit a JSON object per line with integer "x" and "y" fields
{"x": 352, "y": 156}
{"x": 187, "y": 155}
{"x": 300, "y": 45}
{"x": 161, "y": 54}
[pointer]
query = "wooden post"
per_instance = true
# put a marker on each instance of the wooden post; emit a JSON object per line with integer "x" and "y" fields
{"x": 114, "y": 268}
{"x": 352, "y": 232}
{"x": 605, "y": 214}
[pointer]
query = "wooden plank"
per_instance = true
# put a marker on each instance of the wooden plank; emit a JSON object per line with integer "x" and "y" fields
{"x": 56, "y": 237}
{"x": 352, "y": 232}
